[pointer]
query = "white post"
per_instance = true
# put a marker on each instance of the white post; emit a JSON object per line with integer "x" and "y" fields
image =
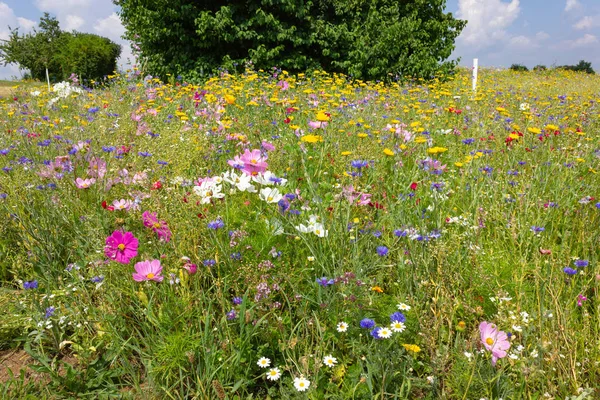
{"x": 48, "y": 79}
{"x": 475, "y": 69}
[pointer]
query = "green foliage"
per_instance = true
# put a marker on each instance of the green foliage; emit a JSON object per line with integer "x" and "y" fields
{"x": 62, "y": 53}
{"x": 368, "y": 40}
{"x": 540, "y": 68}
{"x": 583, "y": 66}
{"x": 519, "y": 68}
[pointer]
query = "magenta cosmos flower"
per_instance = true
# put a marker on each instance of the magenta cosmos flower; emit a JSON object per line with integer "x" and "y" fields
{"x": 121, "y": 247}
{"x": 159, "y": 227}
{"x": 148, "y": 271}
{"x": 494, "y": 340}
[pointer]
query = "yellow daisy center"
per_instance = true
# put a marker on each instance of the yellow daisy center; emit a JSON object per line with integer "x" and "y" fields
{"x": 121, "y": 247}
{"x": 150, "y": 275}
{"x": 489, "y": 341}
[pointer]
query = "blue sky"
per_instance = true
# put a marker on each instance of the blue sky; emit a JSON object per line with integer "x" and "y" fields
{"x": 499, "y": 32}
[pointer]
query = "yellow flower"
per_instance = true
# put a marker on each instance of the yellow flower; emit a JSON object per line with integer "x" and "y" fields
{"x": 420, "y": 139}
{"x": 436, "y": 150}
{"x": 403, "y": 147}
{"x": 311, "y": 138}
{"x": 377, "y": 289}
{"x": 346, "y": 153}
{"x": 412, "y": 347}
{"x": 322, "y": 117}
{"x": 458, "y": 164}
{"x": 362, "y": 135}
{"x": 537, "y": 131}
{"x": 551, "y": 128}
{"x": 388, "y": 152}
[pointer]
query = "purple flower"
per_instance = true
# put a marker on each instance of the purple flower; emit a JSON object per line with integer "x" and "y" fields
{"x": 216, "y": 224}
{"x": 30, "y": 285}
{"x": 237, "y": 300}
{"x": 581, "y": 263}
{"x": 49, "y": 312}
{"x": 569, "y": 271}
{"x": 325, "y": 281}
{"x": 367, "y": 323}
{"x": 231, "y": 315}
{"x": 537, "y": 229}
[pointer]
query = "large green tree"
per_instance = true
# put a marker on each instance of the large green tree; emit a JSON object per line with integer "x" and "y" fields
{"x": 62, "y": 53}
{"x": 368, "y": 39}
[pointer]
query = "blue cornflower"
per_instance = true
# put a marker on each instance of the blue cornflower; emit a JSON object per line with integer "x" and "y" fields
{"x": 44, "y": 143}
{"x": 377, "y": 234}
{"x": 400, "y": 233}
{"x": 237, "y": 300}
{"x": 30, "y": 285}
{"x": 397, "y": 317}
{"x": 375, "y": 333}
{"x": 216, "y": 224}
{"x": 4, "y": 152}
{"x": 358, "y": 164}
{"x": 162, "y": 162}
{"x": 569, "y": 271}
{"x": 382, "y": 251}
{"x": 537, "y": 229}
{"x": 325, "y": 281}
{"x": 144, "y": 154}
{"x": 209, "y": 263}
{"x": 284, "y": 205}
{"x": 367, "y": 323}
{"x": 581, "y": 263}
{"x": 108, "y": 149}
{"x": 97, "y": 279}
{"x": 468, "y": 141}
{"x": 236, "y": 256}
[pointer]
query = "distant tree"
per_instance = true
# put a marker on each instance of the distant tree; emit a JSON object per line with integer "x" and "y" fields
{"x": 583, "y": 66}
{"x": 540, "y": 67}
{"x": 62, "y": 53}
{"x": 367, "y": 39}
{"x": 519, "y": 68}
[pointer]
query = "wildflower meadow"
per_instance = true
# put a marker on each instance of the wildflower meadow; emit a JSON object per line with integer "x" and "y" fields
{"x": 276, "y": 236}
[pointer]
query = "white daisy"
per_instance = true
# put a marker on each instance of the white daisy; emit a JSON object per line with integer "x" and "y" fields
{"x": 384, "y": 333}
{"x": 301, "y": 384}
{"x": 263, "y": 362}
{"x": 342, "y": 327}
{"x": 329, "y": 361}
{"x": 273, "y": 374}
{"x": 397, "y": 326}
{"x": 403, "y": 307}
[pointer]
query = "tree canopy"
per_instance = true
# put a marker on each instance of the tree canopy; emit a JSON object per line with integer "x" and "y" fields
{"x": 366, "y": 39}
{"x": 63, "y": 53}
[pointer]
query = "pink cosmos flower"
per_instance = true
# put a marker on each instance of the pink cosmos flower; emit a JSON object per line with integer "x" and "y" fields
{"x": 121, "y": 247}
{"x": 84, "y": 183}
{"x": 251, "y": 162}
{"x": 159, "y": 227}
{"x": 494, "y": 340}
{"x": 122, "y": 204}
{"x": 148, "y": 271}
{"x": 316, "y": 124}
{"x": 97, "y": 167}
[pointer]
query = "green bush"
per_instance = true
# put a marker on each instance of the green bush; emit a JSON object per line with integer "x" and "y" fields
{"x": 583, "y": 66}
{"x": 368, "y": 40}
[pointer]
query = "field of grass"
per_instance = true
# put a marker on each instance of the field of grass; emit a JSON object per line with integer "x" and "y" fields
{"x": 278, "y": 236}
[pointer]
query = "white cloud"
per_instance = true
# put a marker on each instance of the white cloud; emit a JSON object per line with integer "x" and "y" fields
{"x": 572, "y": 4}
{"x": 73, "y": 22}
{"x": 586, "y": 40}
{"x": 588, "y": 22}
{"x": 26, "y": 24}
{"x": 541, "y": 36}
{"x": 110, "y": 27}
{"x": 525, "y": 42}
{"x": 62, "y": 6}
{"x": 487, "y": 21}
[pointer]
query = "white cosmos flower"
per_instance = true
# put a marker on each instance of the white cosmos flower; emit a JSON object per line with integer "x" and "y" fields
{"x": 319, "y": 230}
{"x": 268, "y": 178}
{"x": 208, "y": 190}
{"x": 263, "y": 362}
{"x": 329, "y": 361}
{"x": 301, "y": 384}
{"x": 273, "y": 374}
{"x": 270, "y": 195}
